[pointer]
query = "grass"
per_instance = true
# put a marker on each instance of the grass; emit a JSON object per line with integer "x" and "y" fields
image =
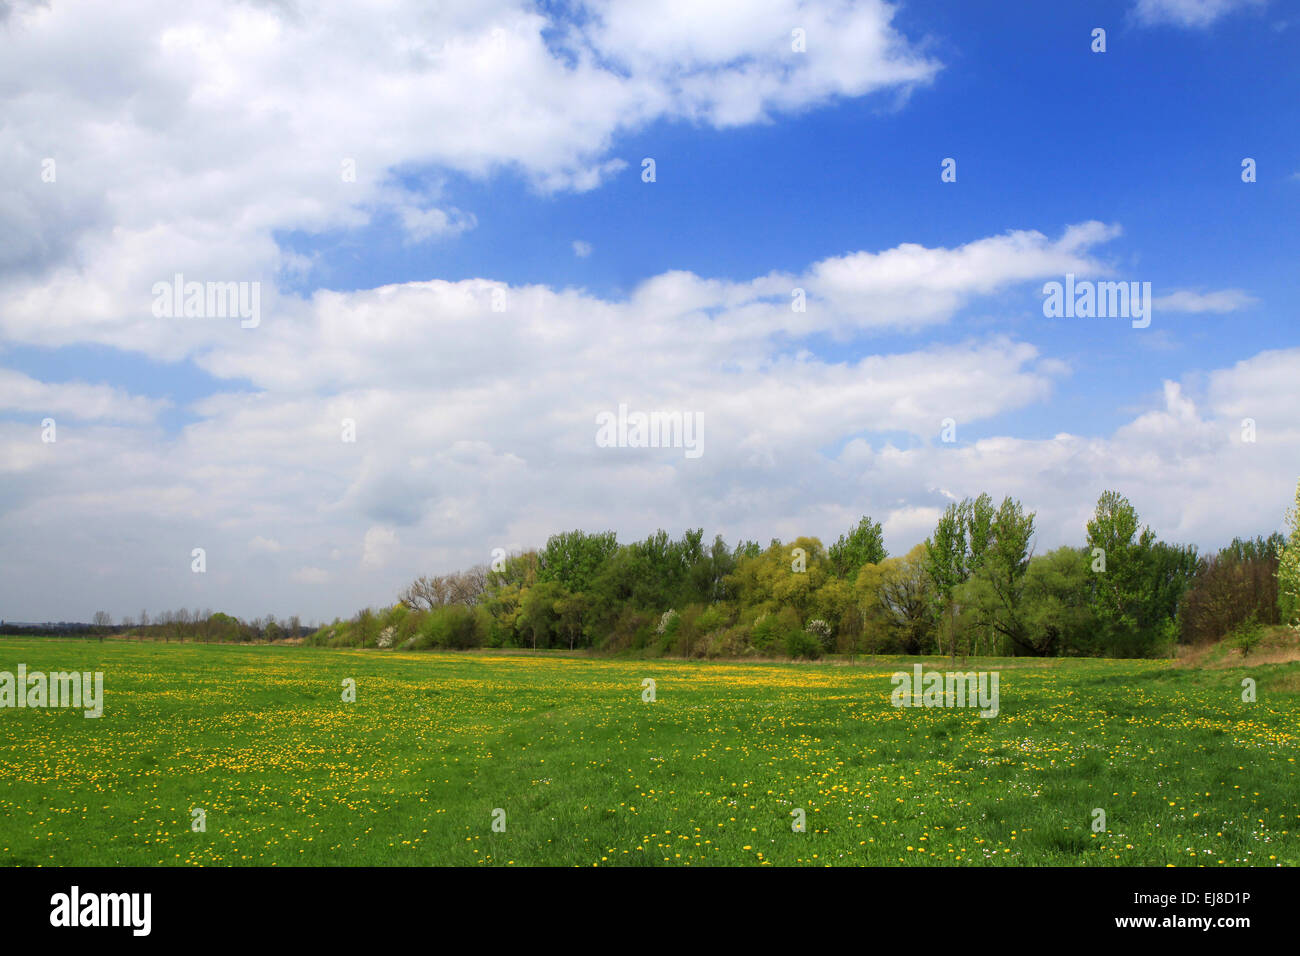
{"x": 589, "y": 774}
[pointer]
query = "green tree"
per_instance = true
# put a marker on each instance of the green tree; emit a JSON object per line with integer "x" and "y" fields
{"x": 570, "y": 609}
{"x": 538, "y": 619}
{"x": 575, "y": 557}
{"x": 223, "y": 627}
{"x": 897, "y": 596}
{"x": 1122, "y": 556}
{"x": 1057, "y": 598}
{"x": 956, "y": 550}
{"x": 503, "y": 604}
{"x": 708, "y": 575}
{"x": 1171, "y": 570}
{"x": 366, "y": 629}
{"x": 785, "y": 574}
{"x": 865, "y": 544}
{"x": 518, "y": 569}
{"x": 995, "y": 589}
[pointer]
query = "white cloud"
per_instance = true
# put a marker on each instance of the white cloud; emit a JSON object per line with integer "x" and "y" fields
{"x": 423, "y": 224}
{"x": 186, "y": 137}
{"x": 581, "y": 249}
{"x": 1223, "y": 300}
{"x": 914, "y": 285}
{"x": 1190, "y": 13}
{"x": 732, "y": 63}
{"x": 75, "y": 400}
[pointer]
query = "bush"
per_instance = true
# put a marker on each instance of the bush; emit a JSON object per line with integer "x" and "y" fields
{"x": 630, "y": 630}
{"x": 713, "y": 618}
{"x": 321, "y": 636}
{"x": 772, "y": 632}
{"x": 408, "y": 627}
{"x": 451, "y": 627}
{"x": 730, "y": 642}
{"x": 822, "y": 631}
{"x": 670, "y": 623}
{"x": 1247, "y": 636}
{"x": 764, "y": 632}
{"x": 803, "y": 645}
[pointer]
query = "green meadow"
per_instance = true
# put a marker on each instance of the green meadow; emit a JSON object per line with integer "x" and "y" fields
{"x": 578, "y": 770}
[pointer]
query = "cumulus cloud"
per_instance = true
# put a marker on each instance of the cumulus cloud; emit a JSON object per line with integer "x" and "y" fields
{"x": 75, "y": 400}
{"x": 187, "y": 136}
{"x": 912, "y": 284}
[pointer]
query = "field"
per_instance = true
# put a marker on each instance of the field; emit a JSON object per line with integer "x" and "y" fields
{"x": 587, "y": 773}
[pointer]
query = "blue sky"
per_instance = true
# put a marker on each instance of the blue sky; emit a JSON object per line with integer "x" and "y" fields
{"x": 1149, "y": 134}
{"x": 489, "y": 142}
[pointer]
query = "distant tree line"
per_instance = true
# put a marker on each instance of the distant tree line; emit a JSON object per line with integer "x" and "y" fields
{"x": 180, "y": 625}
{"x": 974, "y": 586}
{"x": 49, "y": 629}
{"x": 195, "y": 625}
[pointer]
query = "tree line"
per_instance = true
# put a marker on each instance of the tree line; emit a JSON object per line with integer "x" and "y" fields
{"x": 185, "y": 624}
{"x": 974, "y": 586}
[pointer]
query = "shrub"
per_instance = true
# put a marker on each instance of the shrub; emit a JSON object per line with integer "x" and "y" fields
{"x": 321, "y": 636}
{"x": 408, "y": 627}
{"x": 670, "y": 622}
{"x": 822, "y": 631}
{"x": 802, "y": 644}
{"x": 1247, "y": 635}
{"x": 771, "y": 631}
{"x": 713, "y": 618}
{"x": 730, "y": 642}
{"x": 451, "y": 627}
